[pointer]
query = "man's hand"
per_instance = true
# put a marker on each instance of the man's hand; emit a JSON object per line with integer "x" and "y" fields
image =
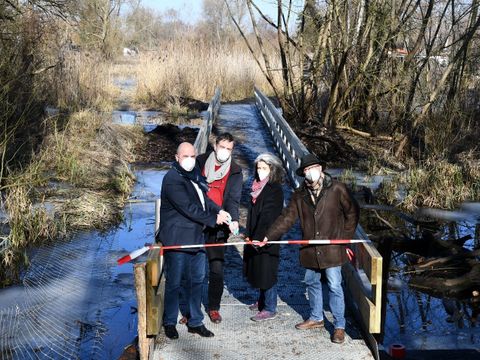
{"x": 223, "y": 217}
{"x": 233, "y": 226}
{"x": 262, "y": 243}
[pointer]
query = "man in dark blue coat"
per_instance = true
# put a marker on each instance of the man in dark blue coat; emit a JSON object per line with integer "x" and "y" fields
{"x": 185, "y": 211}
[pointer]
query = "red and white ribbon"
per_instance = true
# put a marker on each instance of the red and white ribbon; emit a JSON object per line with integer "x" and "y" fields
{"x": 146, "y": 248}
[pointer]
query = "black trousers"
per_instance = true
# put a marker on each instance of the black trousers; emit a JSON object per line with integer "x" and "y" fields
{"x": 216, "y": 261}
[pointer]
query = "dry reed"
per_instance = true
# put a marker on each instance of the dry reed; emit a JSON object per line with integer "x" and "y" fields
{"x": 436, "y": 184}
{"x": 83, "y": 81}
{"x": 90, "y": 153}
{"x": 189, "y": 70}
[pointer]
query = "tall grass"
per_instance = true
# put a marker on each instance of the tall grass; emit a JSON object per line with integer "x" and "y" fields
{"x": 190, "y": 70}
{"x": 84, "y": 150}
{"x": 436, "y": 184}
{"x": 91, "y": 152}
{"x": 440, "y": 184}
{"x": 82, "y": 80}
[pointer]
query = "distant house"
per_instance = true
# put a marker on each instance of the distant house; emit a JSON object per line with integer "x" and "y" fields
{"x": 130, "y": 51}
{"x": 398, "y": 52}
{"x": 402, "y": 53}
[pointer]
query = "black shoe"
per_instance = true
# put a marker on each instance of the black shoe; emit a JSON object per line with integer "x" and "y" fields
{"x": 200, "y": 330}
{"x": 171, "y": 331}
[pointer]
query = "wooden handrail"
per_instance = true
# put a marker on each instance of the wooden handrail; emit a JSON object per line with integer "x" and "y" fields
{"x": 287, "y": 143}
{"x": 201, "y": 142}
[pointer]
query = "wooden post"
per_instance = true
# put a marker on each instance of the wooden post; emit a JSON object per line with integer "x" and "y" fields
{"x": 154, "y": 294}
{"x": 157, "y": 215}
{"x": 140, "y": 289}
{"x": 476, "y": 243}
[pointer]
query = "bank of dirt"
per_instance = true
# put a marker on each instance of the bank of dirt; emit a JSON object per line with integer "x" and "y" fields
{"x": 343, "y": 149}
{"x": 161, "y": 143}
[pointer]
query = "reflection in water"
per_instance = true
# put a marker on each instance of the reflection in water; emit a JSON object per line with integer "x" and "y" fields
{"x": 150, "y": 119}
{"x": 75, "y": 302}
{"x": 439, "y": 313}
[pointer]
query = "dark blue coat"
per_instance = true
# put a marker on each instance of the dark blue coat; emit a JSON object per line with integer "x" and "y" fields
{"x": 182, "y": 218}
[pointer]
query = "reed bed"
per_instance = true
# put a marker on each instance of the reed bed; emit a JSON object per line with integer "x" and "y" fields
{"x": 85, "y": 80}
{"x": 88, "y": 156}
{"x": 189, "y": 70}
{"x": 436, "y": 184}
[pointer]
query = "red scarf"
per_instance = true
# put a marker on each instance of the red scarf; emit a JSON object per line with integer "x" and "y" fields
{"x": 257, "y": 187}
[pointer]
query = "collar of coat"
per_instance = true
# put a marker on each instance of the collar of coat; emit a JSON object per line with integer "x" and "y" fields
{"x": 327, "y": 184}
{"x": 202, "y": 159}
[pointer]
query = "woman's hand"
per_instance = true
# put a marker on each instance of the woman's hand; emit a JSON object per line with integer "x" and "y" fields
{"x": 262, "y": 243}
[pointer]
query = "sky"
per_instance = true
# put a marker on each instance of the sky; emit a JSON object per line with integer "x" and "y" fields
{"x": 191, "y": 10}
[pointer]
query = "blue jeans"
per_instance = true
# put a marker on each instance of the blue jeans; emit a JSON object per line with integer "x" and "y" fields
{"x": 335, "y": 295}
{"x": 191, "y": 266}
{"x": 268, "y": 299}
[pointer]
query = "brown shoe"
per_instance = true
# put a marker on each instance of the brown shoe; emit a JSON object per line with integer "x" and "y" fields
{"x": 338, "y": 336}
{"x": 215, "y": 316}
{"x": 309, "y": 324}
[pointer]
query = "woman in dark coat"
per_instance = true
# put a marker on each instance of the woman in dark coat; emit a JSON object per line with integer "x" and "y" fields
{"x": 261, "y": 263}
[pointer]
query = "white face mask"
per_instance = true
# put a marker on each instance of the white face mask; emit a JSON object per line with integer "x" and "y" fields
{"x": 223, "y": 155}
{"x": 313, "y": 175}
{"x": 187, "y": 163}
{"x": 262, "y": 174}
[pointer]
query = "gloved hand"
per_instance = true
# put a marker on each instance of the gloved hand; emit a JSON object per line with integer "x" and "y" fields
{"x": 233, "y": 226}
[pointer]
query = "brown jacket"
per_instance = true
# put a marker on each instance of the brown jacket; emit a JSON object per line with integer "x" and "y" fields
{"x": 335, "y": 216}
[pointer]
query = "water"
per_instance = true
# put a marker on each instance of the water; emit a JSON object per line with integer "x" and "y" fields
{"x": 75, "y": 302}
{"x": 419, "y": 320}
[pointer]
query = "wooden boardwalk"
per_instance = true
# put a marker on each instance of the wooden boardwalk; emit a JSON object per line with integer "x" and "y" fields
{"x": 237, "y": 337}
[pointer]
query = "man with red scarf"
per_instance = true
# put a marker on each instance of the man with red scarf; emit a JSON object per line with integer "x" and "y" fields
{"x": 224, "y": 178}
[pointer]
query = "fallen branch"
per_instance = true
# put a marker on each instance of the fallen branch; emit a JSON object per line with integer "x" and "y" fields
{"x": 463, "y": 286}
{"x": 365, "y": 134}
{"x": 430, "y": 264}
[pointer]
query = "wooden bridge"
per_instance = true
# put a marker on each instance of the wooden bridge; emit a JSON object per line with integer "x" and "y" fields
{"x": 237, "y": 337}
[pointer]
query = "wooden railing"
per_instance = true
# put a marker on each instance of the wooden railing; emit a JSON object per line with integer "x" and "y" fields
{"x": 364, "y": 279}
{"x": 288, "y": 145}
{"x": 203, "y": 135}
{"x": 4, "y": 244}
{"x": 149, "y": 279}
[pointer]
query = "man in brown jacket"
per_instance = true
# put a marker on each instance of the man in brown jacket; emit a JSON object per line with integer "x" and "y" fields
{"x": 326, "y": 211}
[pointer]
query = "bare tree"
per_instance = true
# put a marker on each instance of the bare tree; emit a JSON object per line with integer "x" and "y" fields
{"x": 383, "y": 66}
{"x": 98, "y": 24}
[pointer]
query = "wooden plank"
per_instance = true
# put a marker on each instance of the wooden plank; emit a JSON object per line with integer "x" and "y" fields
{"x": 370, "y": 261}
{"x": 153, "y": 300}
{"x": 366, "y": 307}
{"x": 144, "y": 343}
{"x": 154, "y": 306}
{"x": 158, "y": 203}
{"x": 153, "y": 267}
{"x": 377, "y": 292}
